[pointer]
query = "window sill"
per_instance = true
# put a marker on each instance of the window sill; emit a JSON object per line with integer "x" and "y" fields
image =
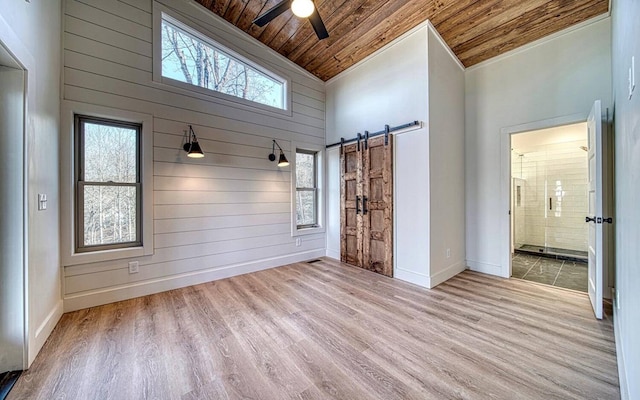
{"x": 106, "y": 255}
{"x": 307, "y": 231}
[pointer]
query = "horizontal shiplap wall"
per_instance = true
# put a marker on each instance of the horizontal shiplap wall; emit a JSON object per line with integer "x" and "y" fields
{"x": 226, "y": 214}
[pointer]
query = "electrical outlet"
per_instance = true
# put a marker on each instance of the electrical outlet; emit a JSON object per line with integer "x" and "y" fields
{"x": 133, "y": 267}
{"x": 448, "y": 253}
{"x": 298, "y": 242}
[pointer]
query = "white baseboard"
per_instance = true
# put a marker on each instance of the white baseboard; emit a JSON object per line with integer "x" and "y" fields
{"x": 335, "y": 254}
{"x": 412, "y": 277}
{"x": 447, "y": 273}
{"x": 43, "y": 331}
{"x": 622, "y": 371}
{"x": 485, "y": 268}
{"x": 94, "y": 298}
{"x": 427, "y": 281}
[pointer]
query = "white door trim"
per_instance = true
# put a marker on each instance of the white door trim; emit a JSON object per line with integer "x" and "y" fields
{"x": 12, "y": 42}
{"x": 505, "y": 179}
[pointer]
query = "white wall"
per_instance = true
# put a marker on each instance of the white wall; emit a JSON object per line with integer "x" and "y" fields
{"x": 332, "y": 200}
{"x": 223, "y": 215}
{"x": 389, "y": 87}
{"x": 12, "y": 305}
{"x": 446, "y": 160}
{"x": 626, "y": 31}
{"x": 32, "y": 32}
{"x": 555, "y": 78}
{"x": 394, "y": 86}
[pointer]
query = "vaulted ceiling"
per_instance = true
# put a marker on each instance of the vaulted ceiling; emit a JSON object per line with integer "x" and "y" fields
{"x": 476, "y": 30}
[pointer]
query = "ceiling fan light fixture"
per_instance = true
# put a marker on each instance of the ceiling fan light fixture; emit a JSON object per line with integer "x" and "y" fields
{"x": 302, "y": 8}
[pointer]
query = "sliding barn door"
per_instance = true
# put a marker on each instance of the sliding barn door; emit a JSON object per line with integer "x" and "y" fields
{"x": 377, "y": 205}
{"x": 350, "y": 212}
{"x": 367, "y": 205}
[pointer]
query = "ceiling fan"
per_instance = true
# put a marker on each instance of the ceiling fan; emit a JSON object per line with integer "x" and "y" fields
{"x": 302, "y": 9}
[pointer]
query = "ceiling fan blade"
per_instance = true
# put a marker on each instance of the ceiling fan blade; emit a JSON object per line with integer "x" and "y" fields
{"x": 273, "y": 13}
{"x": 318, "y": 25}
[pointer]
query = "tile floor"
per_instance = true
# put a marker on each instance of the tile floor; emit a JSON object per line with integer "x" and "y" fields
{"x": 561, "y": 273}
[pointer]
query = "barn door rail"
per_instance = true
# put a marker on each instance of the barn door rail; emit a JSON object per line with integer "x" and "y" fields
{"x": 367, "y": 135}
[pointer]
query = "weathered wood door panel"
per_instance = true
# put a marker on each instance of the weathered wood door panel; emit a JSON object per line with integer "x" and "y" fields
{"x": 367, "y": 205}
{"x": 377, "y": 206}
{"x": 350, "y": 217}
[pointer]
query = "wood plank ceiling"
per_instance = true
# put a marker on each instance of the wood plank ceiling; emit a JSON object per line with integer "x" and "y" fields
{"x": 476, "y": 30}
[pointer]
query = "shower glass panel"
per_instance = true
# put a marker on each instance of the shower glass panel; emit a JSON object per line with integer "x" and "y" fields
{"x": 550, "y": 197}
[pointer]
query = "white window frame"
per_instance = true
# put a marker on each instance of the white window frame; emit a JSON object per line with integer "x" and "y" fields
{"x": 161, "y": 12}
{"x": 69, "y": 255}
{"x": 320, "y": 185}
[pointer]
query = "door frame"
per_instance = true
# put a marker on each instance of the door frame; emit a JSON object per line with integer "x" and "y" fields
{"x": 505, "y": 179}
{"x": 20, "y": 53}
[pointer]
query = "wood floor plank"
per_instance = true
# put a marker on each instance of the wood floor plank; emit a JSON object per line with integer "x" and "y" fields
{"x": 327, "y": 330}
{"x": 438, "y": 355}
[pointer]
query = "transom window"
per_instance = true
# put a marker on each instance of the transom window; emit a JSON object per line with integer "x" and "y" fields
{"x": 194, "y": 59}
{"x": 108, "y": 184}
{"x": 306, "y": 189}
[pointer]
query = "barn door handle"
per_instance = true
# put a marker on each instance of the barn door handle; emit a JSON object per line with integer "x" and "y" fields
{"x": 364, "y": 205}
{"x": 587, "y": 219}
{"x": 550, "y": 204}
{"x": 357, "y": 204}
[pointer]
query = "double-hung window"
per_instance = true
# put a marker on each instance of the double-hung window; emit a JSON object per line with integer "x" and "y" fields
{"x": 108, "y": 184}
{"x": 306, "y": 189}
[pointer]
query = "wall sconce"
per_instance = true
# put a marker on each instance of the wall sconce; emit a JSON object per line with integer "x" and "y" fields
{"x": 282, "y": 161}
{"x": 191, "y": 146}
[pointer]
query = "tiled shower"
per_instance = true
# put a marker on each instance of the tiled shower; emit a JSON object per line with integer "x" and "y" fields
{"x": 550, "y": 197}
{"x": 549, "y": 203}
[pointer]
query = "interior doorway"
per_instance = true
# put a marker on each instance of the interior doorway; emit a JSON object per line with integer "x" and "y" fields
{"x": 549, "y": 201}
{"x": 12, "y": 220}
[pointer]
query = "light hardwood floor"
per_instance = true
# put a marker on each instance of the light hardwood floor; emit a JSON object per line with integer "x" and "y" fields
{"x": 327, "y": 330}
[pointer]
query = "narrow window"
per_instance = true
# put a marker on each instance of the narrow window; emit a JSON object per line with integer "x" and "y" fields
{"x": 306, "y": 189}
{"x": 108, "y": 184}
{"x": 194, "y": 59}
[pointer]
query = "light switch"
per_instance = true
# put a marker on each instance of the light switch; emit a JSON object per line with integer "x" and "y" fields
{"x": 632, "y": 77}
{"x": 633, "y": 74}
{"x": 42, "y": 201}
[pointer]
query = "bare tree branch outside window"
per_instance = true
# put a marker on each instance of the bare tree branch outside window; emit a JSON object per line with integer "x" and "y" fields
{"x": 191, "y": 60}
{"x": 108, "y": 185}
{"x": 306, "y": 189}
